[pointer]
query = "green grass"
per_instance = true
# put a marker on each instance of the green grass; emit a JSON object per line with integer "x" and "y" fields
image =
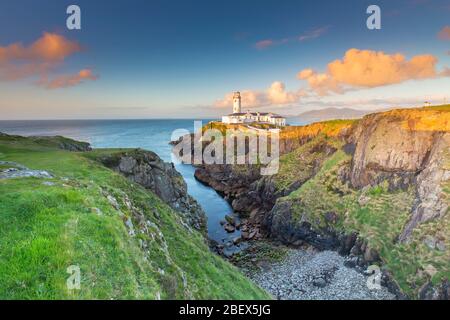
{"x": 45, "y": 229}
{"x": 301, "y": 164}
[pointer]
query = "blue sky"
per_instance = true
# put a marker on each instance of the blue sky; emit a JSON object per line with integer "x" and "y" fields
{"x": 179, "y": 58}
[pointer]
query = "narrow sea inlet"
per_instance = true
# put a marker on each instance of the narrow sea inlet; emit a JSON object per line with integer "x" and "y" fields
{"x": 153, "y": 135}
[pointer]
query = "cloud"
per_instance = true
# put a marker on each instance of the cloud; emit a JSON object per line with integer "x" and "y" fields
{"x": 369, "y": 69}
{"x": 40, "y": 59}
{"x": 264, "y": 44}
{"x": 444, "y": 34}
{"x": 276, "y": 94}
{"x": 48, "y": 48}
{"x": 65, "y": 81}
{"x": 312, "y": 34}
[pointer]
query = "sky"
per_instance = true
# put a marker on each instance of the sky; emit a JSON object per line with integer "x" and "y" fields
{"x": 183, "y": 59}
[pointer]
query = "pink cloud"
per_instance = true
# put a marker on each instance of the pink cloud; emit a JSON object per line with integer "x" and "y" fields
{"x": 65, "y": 81}
{"x": 48, "y": 48}
{"x": 444, "y": 34}
{"x": 39, "y": 59}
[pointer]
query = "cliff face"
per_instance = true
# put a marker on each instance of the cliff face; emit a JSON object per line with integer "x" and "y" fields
{"x": 148, "y": 170}
{"x": 407, "y": 148}
{"x": 374, "y": 189}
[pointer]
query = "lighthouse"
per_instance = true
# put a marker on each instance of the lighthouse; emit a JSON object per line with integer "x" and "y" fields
{"x": 237, "y": 102}
{"x": 251, "y": 117}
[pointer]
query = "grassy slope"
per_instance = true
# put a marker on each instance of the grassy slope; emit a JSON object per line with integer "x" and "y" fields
{"x": 45, "y": 229}
{"x": 301, "y": 164}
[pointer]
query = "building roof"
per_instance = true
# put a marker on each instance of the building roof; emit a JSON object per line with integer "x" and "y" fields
{"x": 237, "y": 114}
{"x": 272, "y": 115}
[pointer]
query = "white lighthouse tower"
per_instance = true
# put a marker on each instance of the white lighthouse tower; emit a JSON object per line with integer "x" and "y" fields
{"x": 237, "y": 102}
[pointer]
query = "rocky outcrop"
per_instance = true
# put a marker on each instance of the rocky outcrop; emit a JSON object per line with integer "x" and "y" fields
{"x": 52, "y": 141}
{"x": 405, "y": 148}
{"x": 431, "y": 202}
{"x": 228, "y": 180}
{"x": 65, "y": 143}
{"x": 17, "y": 170}
{"x": 281, "y": 226}
{"x": 393, "y": 146}
{"x": 148, "y": 170}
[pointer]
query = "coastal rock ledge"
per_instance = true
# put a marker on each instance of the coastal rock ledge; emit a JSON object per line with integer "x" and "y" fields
{"x": 148, "y": 170}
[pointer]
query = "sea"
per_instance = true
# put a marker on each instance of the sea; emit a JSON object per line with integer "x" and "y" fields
{"x": 153, "y": 135}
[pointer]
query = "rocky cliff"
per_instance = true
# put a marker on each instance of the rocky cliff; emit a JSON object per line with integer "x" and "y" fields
{"x": 374, "y": 189}
{"x": 406, "y": 148}
{"x": 148, "y": 170}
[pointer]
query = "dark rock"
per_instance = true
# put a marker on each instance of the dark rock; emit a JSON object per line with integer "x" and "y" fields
{"x": 281, "y": 226}
{"x": 252, "y": 234}
{"x": 351, "y": 262}
{"x": 320, "y": 283}
{"x": 231, "y": 220}
{"x": 347, "y": 243}
{"x": 148, "y": 170}
{"x": 237, "y": 240}
{"x": 428, "y": 292}
{"x": 331, "y": 217}
{"x": 229, "y": 228}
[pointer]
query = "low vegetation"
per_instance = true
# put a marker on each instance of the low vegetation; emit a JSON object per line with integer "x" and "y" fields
{"x": 378, "y": 216}
{"x": 88, "y": 216}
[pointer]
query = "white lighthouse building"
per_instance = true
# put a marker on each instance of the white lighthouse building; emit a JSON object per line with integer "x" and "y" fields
{"x": 237, "y": 102}
{"x": 251, "y": 117}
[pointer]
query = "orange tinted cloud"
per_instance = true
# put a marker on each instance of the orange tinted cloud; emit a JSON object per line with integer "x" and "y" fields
{"x": 39, "y": 59}
{"x": 50, "y": 48}
{"x": 276, "y": 94}
{"x": 444, "y": 34}
{"x": 369, "y": 69}
{"x": 65, "y": 81}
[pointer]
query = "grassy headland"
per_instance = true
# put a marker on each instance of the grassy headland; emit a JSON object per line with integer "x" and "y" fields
{"x": 83, "y": 216}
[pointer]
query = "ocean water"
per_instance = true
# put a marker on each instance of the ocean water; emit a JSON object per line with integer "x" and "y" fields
{"x": 153, "y": 135}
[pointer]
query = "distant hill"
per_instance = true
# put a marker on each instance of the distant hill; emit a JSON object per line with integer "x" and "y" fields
{"x": 330, "y": 114}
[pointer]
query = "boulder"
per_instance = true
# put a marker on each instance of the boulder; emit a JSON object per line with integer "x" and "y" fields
{"x": 230, "y": 219}
{"x": 229, "y": 228}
